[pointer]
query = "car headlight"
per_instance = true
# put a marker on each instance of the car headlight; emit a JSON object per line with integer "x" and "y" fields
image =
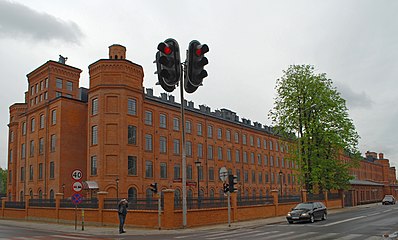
{"x": 288, "y": 214}
{"x": 304, "y": 214}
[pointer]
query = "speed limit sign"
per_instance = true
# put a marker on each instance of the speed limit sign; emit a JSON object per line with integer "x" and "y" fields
{"x": 77, "y": 174}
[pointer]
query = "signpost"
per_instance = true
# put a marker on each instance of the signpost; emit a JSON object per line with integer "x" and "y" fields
{"x": 224, "y": 178}
{"x": 77, "y": 198}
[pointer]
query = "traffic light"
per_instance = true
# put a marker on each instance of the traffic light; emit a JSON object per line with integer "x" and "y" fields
{"x": 154, "y": 187}
{"x": 226, "y": 187}
{"x": 195, "y": 65}
{"x": 168, "y": 64}
{"x": 233, "y": 180}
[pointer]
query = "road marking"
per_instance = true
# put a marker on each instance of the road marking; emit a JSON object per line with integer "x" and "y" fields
{"x": 300, "y": 236}
{"x": 349, "y": 236}
{"x": 373, "y": 238}
{"x": 343, "y": 221}
{"x": 264, "y": 233}
{"x": 68, "y": 237}
{"x": 231, "y": 234}
{"x": 277, "y": 236}
{"x": 324, "y": 236}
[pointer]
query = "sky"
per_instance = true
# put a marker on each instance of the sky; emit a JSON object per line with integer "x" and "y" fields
{"x": 355, "y": 42}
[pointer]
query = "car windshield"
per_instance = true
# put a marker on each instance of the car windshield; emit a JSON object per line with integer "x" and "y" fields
{"x": 304, "y": 206}
{"x": 388, "y": 198}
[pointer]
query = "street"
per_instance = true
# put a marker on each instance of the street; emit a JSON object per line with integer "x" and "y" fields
{"x": 363, "y": 223}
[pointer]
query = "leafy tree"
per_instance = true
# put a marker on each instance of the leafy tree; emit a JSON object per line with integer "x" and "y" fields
{"x": 3, "y": 180}
{"x": 308, "y": 107}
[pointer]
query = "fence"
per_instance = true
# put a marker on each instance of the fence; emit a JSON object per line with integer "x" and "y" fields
{"x": 265, "y": 200}
{"x": 86, "y": 203}
{"x": 18, "y": 205}
{"x": 200, "y": 203}
{"x": 315, "y": 197}
{"x": 42, "y": 202}
{"x": 333, "y": 196}
{"x": 289, "y": 199}
{"x": 134, "y": 203}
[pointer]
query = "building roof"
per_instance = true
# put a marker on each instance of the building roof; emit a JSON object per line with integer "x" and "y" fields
{"x": 365, "y": 182}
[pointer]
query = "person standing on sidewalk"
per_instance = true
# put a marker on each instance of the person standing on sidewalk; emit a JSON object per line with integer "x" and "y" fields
{"x": 122, "y": 212}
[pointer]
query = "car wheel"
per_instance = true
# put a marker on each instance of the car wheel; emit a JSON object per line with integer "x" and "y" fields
{"x": 324, "y": 216}
{"x": 290, "y": 222}
{"x": 312, "y": 219}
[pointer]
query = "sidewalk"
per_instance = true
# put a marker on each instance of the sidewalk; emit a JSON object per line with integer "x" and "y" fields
{"x": 113, "y": 230}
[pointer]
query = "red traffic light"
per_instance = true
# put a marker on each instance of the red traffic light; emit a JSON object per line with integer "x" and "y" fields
{"x": 165, "y": 48}
{"x": 201, "y": 50}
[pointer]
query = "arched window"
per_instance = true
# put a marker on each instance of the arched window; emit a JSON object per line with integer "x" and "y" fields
{"x": 211, "y": 193}
{"x": 201, "y": 193}
{"x": 247, "y": 194}
{"x": 9, "y": 196}
{"x": 148, "y": 194}
{"x": 21, "y": 196}
{"x": 31, "y": 193}
{"x": 40, "y": 194}
{"x": 115, "y": 56}
{"x": 221, "y": 194}
{"x": 254, "y": 194}
{"x": 239, "y": 193}
{"x": 132, "y": 194}
{"x": 51, "y": 194}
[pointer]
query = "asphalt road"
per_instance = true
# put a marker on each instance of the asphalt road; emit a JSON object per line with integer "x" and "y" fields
{"x": 365, "y": 223}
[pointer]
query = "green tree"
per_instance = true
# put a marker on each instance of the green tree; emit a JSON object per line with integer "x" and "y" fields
{"x": 3, "y": 180}
{"x": 310, "y": 109}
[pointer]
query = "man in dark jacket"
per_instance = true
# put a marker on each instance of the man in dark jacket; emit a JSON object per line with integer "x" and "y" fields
{"x": 122, "y": 212}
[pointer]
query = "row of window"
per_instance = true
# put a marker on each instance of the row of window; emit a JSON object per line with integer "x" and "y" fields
{"x": 31, "y": 172}
{"x": 39, "y": 87}
{"x": 33, "y": 124}
{"x": 38, "y": 99}
{"x": 188, "y": 128}
{"x": 256, "y": 176}
{"x": 131, "y": 106}
{"x": 39, "y": 193}
{"x": 53, "y": 142}
{"x": 59, "y": 84}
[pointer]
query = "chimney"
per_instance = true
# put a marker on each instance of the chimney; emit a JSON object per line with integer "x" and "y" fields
{"x": 381, "y": 156}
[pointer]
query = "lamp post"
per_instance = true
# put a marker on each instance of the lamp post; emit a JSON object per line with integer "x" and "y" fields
{"x": 198, "y": 163}
{"x": 117, "y": 188}
{"x": 280, "y": 181}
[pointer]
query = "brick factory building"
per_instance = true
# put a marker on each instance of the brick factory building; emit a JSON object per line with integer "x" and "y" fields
{"x": 124, "y": 138}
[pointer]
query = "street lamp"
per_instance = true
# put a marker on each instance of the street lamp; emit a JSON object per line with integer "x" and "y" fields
{"x": 280, "y": 181}
{"x": 198, "y": 163}
{"x": 117, "y": 188}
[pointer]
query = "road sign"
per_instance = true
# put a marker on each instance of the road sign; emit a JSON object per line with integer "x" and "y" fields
{"x": 223, "y": 174}
{"x": 77, "y": 198}
{"x": 77, "y": 174}
{"x": 77, "y": 187}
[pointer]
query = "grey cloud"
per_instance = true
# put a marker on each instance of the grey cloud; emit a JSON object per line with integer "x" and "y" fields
{"x": 354, "y": 99}
{"x": 19, "y": 21}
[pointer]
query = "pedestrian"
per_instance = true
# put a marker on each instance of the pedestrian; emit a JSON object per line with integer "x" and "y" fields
{"x": 122, "y": 212}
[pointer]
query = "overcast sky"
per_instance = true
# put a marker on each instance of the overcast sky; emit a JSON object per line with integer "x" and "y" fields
{"x": 354, "y": 42}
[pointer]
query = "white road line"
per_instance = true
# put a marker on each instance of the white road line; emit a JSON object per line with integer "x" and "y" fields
{"x": 300, "y": 236}
{"x": 231, "y": 235}
{"x": 350, "y": 236}
{"x": 324, "y": 236}
{"x": 342, "y": 221}
{"x": 68, "y": 237}
{"x": 373, "y": 238}
{"x": 277, "y": 236}
{"x": 264, "y": 233}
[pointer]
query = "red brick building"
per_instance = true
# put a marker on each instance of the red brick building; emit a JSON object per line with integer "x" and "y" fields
{"x": 124, "y": 139}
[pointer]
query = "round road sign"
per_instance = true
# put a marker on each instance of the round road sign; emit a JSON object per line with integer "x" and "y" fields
{"x": 77, "y": 186}
{"x": 223, "y": 174}
{"x": 77, "y": 198}
{"x": 77, "y": 174}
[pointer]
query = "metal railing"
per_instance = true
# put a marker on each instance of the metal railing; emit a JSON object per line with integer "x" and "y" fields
{"x": 134, "y": 203}
{"x": 202, "y": 202}
{"x": 18, "y": 205}
{"x": 265, "y": 200}
{"x": 333, "y": 196}
{"x": 41, "y": 202}
{"x": 86, "y": 203}
{"x": 289, "y": 199}
{"x": 315, "y": 197}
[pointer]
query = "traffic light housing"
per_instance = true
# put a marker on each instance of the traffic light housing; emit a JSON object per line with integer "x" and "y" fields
{"x": 195, "y": 66}
{"x": 226, "y": 187}
{"x": 232, "y": 180}
{"x": 154, "y": 187}
{"x": 168, "y": 64}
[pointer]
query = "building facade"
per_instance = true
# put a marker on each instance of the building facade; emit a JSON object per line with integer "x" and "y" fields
{"x": 124, "y": 138}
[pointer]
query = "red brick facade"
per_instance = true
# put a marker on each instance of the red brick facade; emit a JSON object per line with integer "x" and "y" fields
{"x": 114, "y": 130}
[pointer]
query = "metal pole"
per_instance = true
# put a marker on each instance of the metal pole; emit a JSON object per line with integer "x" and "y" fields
{"x": 184, "y": 160}
{"x": 198, "y": 183}
{"x": 159, "y": 211}
{"x": 229, "y": 208}
{"x": 75, "y": 216}
{"x": 82, "y": 219}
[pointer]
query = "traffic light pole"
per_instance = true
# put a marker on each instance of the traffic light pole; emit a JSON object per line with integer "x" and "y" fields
{"x": 229, "y": 208}
{"x": 184, "y": 157}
